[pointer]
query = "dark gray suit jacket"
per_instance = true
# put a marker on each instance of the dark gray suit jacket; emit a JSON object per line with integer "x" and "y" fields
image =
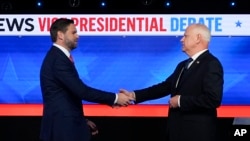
{"x": 201, "y": 92}
{"x": 63, "y": 92}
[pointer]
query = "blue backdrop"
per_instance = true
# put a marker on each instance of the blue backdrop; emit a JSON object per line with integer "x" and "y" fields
{"x": 113, "y": 62}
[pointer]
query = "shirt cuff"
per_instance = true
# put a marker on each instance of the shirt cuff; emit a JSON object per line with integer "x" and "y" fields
{"x": 116, "y": 98}
{"x": 179, "y": 104}
{"x": 133, "y": 93}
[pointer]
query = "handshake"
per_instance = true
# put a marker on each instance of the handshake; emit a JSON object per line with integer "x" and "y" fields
{"x": 125, "y": 98}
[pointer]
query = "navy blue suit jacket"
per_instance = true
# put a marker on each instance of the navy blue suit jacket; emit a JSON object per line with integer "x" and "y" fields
{"x": 201, "y": 90}
{"x": 63, "y": 92}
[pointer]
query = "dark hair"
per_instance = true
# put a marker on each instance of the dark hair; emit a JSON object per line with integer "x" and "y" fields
{"x": 59, "y": 25}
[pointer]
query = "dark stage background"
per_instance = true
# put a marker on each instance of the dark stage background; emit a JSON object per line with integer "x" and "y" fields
{"x": 110, "y": 128}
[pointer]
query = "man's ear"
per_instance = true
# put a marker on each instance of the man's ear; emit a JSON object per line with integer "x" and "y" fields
{"x": 198, "y": 38}
{"x": 60, "y": 35}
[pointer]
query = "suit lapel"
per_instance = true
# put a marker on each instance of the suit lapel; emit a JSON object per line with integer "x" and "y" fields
{"x": 192, "y": 68}
{"x": 61, "y": 54}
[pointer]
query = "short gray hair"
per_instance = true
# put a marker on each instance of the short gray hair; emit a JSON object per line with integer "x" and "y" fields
{"x": 204, "y": 31}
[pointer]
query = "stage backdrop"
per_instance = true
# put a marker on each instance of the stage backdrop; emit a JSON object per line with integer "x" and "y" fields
{"x": 121, "y": 51}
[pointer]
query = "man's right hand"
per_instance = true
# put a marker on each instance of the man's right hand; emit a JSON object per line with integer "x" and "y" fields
{"x": 124, "y": 98}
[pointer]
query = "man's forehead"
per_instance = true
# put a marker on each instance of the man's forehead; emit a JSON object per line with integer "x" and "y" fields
{"x": 188, "y": 30}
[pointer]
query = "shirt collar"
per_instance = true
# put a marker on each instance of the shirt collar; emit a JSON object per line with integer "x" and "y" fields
{"x": 64, "y": 50}
{"x": 194, "y": 57}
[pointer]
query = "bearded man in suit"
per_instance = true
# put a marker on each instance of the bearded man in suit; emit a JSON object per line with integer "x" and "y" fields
{"x": 63, "y": 91}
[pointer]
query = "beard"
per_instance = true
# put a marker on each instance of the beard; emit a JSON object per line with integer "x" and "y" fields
{"x": 71, "y": 44}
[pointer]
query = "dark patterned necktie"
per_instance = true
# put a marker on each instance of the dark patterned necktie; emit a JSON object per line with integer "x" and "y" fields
{"x": 183, "y": 71}
{"x": 187, "y": 63}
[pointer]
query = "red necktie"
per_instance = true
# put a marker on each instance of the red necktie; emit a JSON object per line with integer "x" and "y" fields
{"x": 71, "y": 58}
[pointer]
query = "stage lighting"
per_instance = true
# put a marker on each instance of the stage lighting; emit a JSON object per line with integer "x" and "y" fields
{"x": 232, "y": 4}
{"x": 103, "y": 4}
{"x": 167, "y": 4}
{"x": 39, "y": 4}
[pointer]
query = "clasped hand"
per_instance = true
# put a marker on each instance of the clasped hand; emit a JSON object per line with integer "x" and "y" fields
{"x": 125, "y": 98}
